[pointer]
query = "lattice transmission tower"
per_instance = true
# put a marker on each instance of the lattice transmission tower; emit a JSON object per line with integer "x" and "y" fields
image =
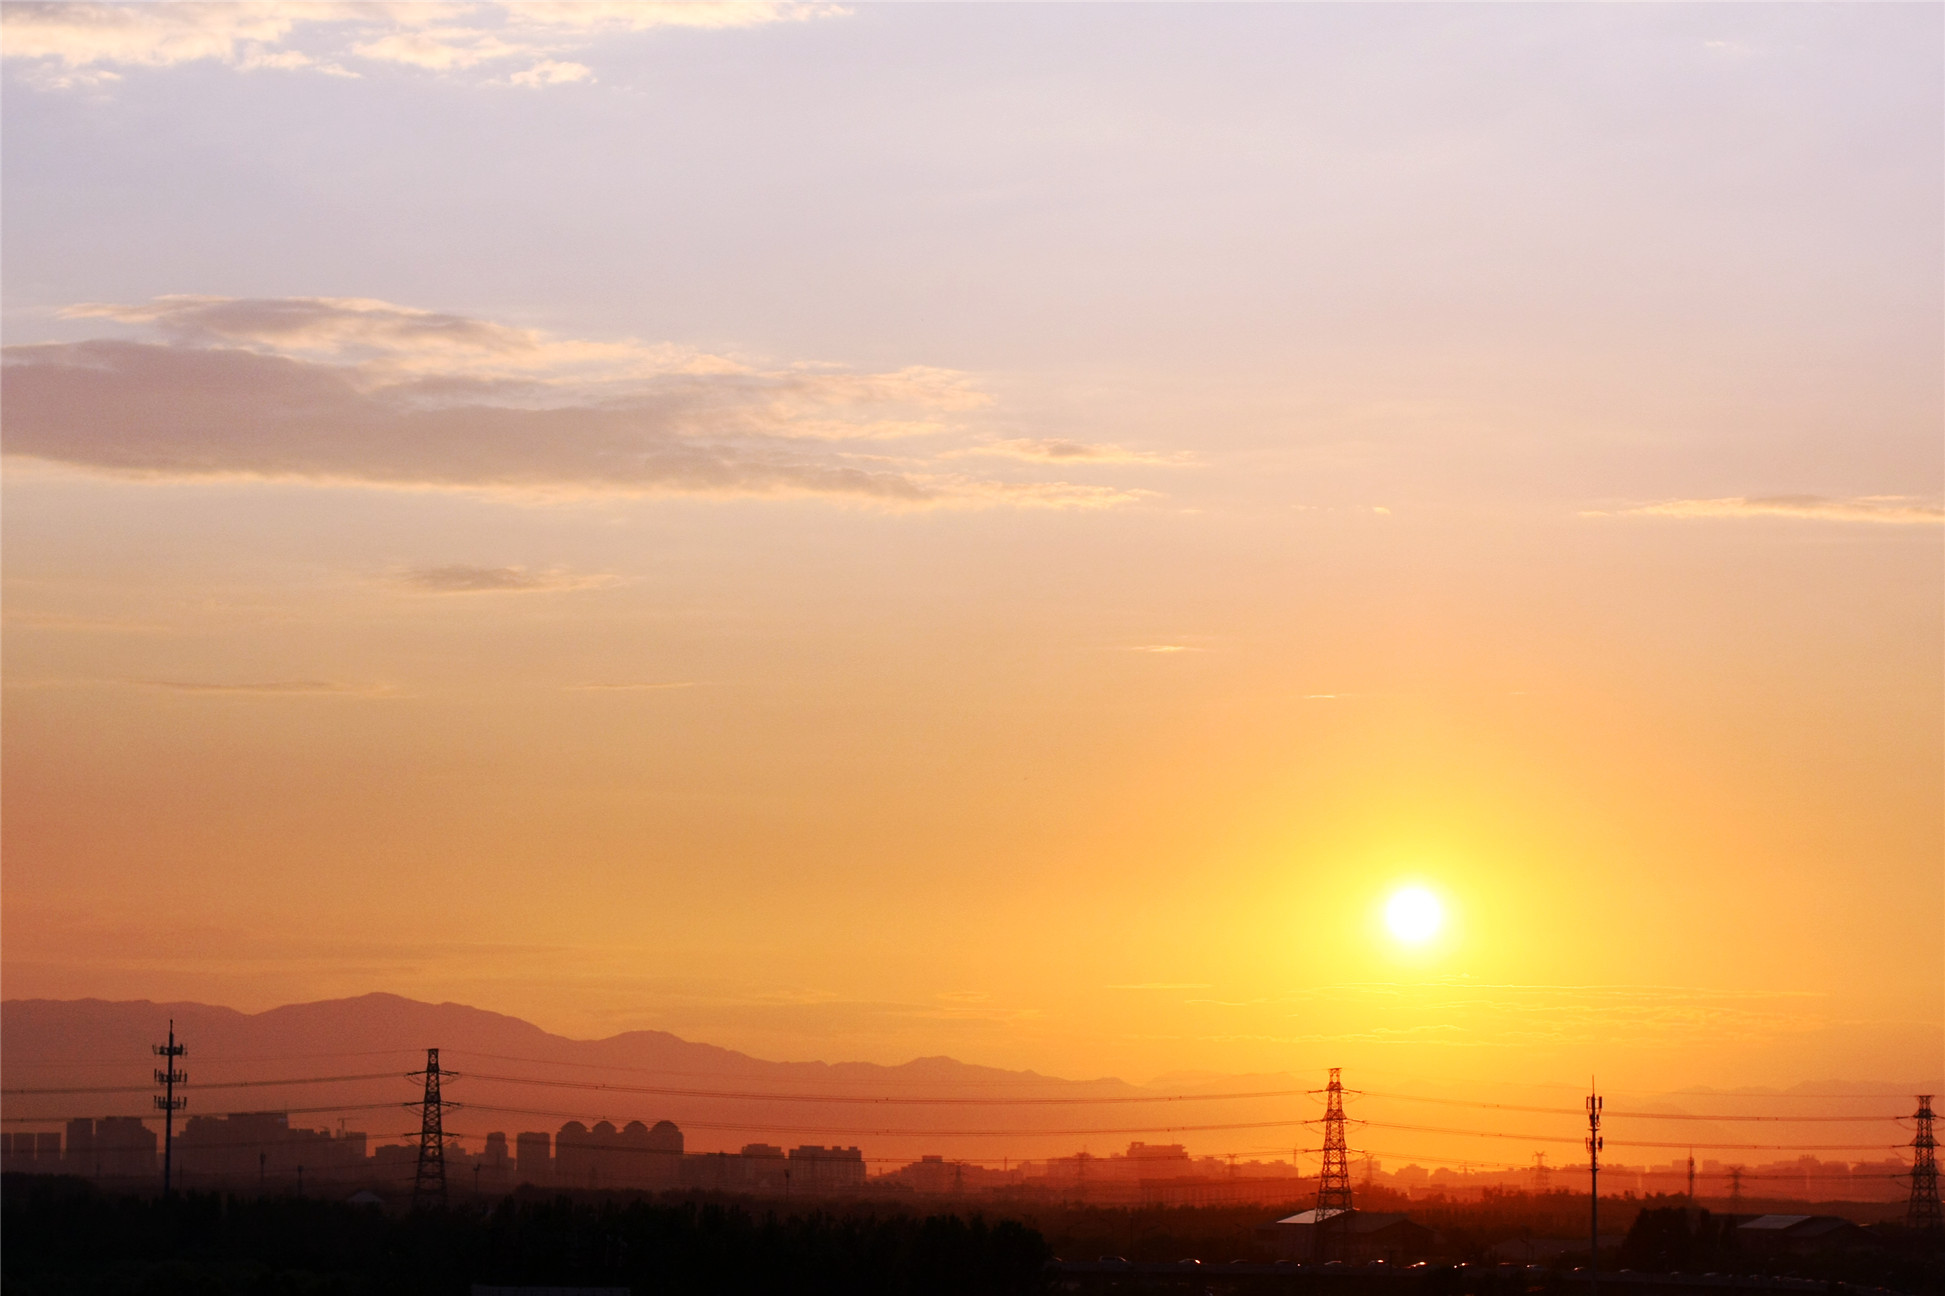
{"x": 1923, "y": 1212}
{"x": 430, "y": 1181}
{"x": 1334, "y": 1182}
{"x": 1334, "y": 1185}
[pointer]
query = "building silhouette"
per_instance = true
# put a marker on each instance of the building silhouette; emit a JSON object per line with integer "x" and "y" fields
{"x": 825, "y": 1169}
{"x": 111, "y": 1147}
{"x": 533, "y": 1158}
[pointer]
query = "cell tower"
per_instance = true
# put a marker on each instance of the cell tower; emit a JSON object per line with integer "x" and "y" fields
{"x": 1594, "y": 1145}
{"x": 430, "y": 1182}
{"x": 168, "y": 1077}
{"x": 1923, "y": 1212}
{"x": 1334, "y": 1183}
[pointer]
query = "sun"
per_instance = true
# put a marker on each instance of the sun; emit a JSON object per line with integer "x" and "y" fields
{"x": 1414, "y": 915}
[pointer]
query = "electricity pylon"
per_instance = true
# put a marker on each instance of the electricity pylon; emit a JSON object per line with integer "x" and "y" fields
{"x": 1923, "y": 1212}
{"x": 430, "y": 1181}
{"x": 1334, "y": 1183}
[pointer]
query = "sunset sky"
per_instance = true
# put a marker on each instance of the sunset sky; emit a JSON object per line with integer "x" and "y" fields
{"x": 1008, "y": 531}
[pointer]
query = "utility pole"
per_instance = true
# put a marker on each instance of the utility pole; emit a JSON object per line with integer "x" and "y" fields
{"x": 168, "y": 1077}
{"x": 1334, "y": 1181}
{"x": 1735, "y": 1189}
{"x": 430, "y": 1180}
{"x": 1594, "y": 1145}
{"x": 1691, "y": 1178}
{"x": 1923, "y": 1212}
{"x": 1542, "y": 1174}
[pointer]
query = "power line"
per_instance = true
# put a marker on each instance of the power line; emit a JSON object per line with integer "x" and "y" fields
{"x": 759, "y": 1126}
{"x": 912, "y": 1100}
{"x": 1629, "y": 1115}
{"x": 208, "y": 1084}
{"x": 712, "y": 1075}
{"x": 286, "y": 1111}
{"x": 866, "y": 1100}
{"x": 851, "y": 1131}
{"x": 1634, "y": 1143}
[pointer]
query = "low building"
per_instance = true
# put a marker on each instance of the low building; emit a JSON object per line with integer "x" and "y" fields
{"x": 31, "y": 1153}
{"x": 113, "y": 1147}
{"x": 758, "y": 1168}
{"x": 1798, "y": 1235}
{"x": 816, "y": 1169}
{"x": 1159, "y": 1161}
{"x": 262, "y": 1150}
{"x": 1352, "y": 1235}
{"x": 637, "y": 1156}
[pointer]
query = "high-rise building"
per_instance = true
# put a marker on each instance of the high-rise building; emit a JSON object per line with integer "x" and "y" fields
{"x": 532, "y": 1161}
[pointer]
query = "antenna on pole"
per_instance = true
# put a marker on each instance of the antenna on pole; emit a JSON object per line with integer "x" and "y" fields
{"x": 1594, "y": 1144}
{"x": 1923, "y": 1212}
{"x": 430, "y": 1181}
{"x": 168, "y": 1077}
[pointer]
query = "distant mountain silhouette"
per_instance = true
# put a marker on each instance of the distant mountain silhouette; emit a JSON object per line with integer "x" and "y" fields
{"x": 93, "y": 1043}
{"x": 723, "y": 1099}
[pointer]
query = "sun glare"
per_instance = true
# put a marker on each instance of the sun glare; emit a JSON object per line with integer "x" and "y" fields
{"x": 1414, "y": 915}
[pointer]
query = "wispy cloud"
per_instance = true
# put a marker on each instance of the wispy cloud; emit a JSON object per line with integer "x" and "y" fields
{"x": 273, "y": 688}
{"x": 644, "y": 686}
{"x": 1061, "y": 451}
{"x": 65, "y": 45}
{"x": 389, "y": 343}
{"x": 1898, "y": 510}
{"x": 460, "y": 578}
{"x": 1161, "y": 648}
{"x": 353, "y": 390}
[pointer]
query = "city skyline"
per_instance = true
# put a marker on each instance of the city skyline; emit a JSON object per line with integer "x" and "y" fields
{"x": 65, "y": 1060}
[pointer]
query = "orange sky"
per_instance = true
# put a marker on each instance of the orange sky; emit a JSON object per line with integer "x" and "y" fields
{"x": 995, "y": 532}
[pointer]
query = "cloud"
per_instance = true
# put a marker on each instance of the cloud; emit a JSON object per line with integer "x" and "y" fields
{"x": 1161, "y": 648}
{"x": 1891, "y": 509}
{"x": 459, "y": 578}
{"x": 627, "y": 15}
{"x": 552, "y": 72}
{"x": 440, "y": 49}
{"x": 392, "y": 342}
{"x": 151, "y": 35}
{"x": 352, "y": 390}
{"x": 1060, "y": 450}
{"x": 71, "y": 44}
{"x": 278, "y": 688}
{"x": 645, "y": 686}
